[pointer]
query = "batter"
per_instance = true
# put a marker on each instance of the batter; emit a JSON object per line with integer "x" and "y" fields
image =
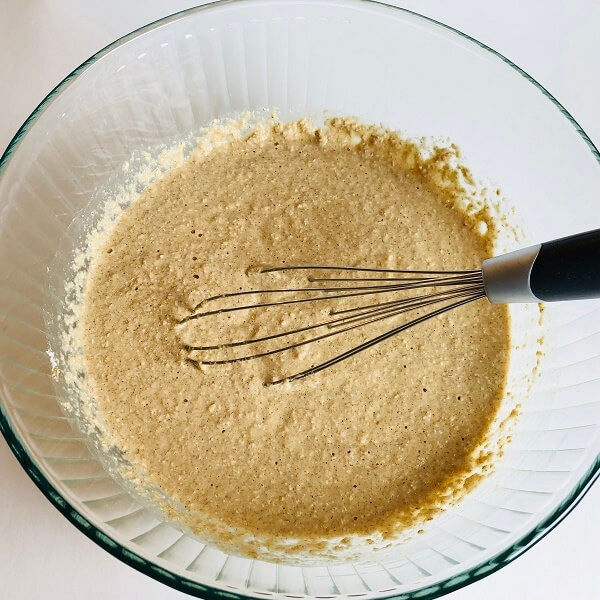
{"x": 365, "y": 447}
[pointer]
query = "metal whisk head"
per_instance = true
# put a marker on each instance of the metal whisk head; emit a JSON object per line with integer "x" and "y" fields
{"x": 332, "y": 285}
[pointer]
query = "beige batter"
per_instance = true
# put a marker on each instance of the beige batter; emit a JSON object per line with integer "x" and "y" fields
{"x": 363, "y": 447}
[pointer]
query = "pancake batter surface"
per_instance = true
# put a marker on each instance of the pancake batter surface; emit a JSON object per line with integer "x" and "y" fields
{"x": 368, "y": 446}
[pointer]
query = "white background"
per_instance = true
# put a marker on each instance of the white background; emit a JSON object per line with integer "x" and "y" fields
{"x": 41, "y": 41}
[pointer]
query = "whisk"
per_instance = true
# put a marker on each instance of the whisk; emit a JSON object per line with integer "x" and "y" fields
{"x": 563, "y": 269}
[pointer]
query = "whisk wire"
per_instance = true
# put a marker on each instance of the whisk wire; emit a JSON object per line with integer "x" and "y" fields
{"x": 349, "y": 292}
{"x": 347, "y": 354}
{"x": 395, "y": 307}
{"x": 471, "y": 289}
{"x": 372, "y": 342}
{"x": 467, "y": 286}
{"x": 402, "y": 308}
{"x": 363, "y": 269}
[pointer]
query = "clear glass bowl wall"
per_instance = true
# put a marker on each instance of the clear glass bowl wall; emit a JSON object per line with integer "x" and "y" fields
{"x": 358, "y": 58}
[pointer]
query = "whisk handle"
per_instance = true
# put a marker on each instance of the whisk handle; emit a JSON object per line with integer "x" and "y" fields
{"x": 568, "y": 268}
{"x": 563, "y": 269}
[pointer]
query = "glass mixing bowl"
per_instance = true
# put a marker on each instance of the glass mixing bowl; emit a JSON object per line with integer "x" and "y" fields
{"x": 353, "y": 57}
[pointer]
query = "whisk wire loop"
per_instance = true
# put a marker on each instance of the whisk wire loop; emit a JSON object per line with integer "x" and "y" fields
{"x": 461, "y": 287}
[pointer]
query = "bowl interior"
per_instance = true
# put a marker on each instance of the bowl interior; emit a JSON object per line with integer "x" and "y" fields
{"x": 358, "y": 58}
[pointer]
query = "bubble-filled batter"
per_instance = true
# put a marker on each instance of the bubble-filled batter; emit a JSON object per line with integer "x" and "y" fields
{"x": 363, "y": 447}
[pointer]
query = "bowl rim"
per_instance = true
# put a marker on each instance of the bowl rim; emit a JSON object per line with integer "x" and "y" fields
{"x": 163, "y": 575}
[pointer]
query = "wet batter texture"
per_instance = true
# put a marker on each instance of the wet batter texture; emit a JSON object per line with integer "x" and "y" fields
{"x": 367, "y": 446}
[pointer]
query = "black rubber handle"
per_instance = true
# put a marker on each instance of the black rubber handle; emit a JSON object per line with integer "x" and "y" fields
{"x": 568, "y": 268}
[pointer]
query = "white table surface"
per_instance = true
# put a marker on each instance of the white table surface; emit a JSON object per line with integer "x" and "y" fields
{"x": 41, "y": 554}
